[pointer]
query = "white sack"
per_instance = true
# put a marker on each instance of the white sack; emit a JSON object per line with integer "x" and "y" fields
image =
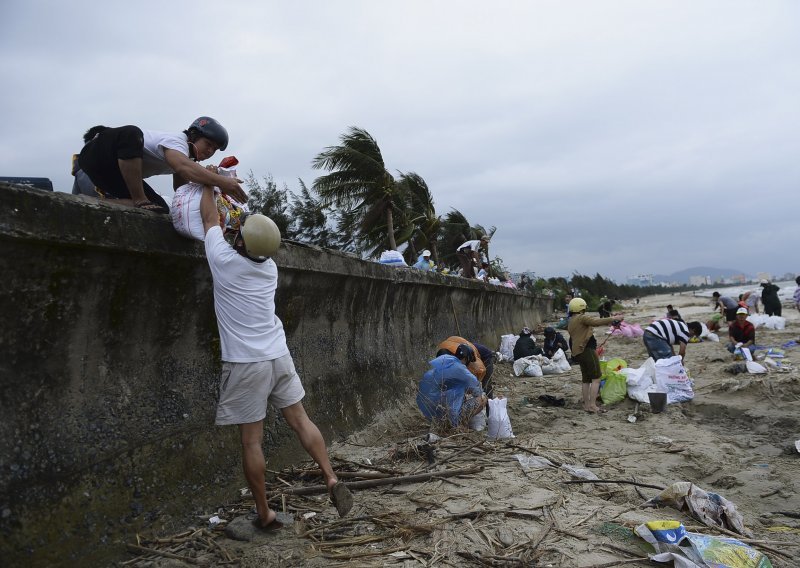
{"x": 507, "y": 343}
{"x": 560, "y": 360}
{"x": 528, "y": 366}
{"x": 641, "y": 381}
{"x": 671, "y": 378}
{"x": 185, "y": 211}
{"x": 499, "y": 422}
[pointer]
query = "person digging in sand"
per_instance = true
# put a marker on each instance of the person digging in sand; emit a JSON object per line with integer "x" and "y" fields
{"x": 584, "y": 345}
{"x": 257, "y": 367}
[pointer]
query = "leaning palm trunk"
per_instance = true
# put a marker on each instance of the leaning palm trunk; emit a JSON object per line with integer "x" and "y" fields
{"x": 390, "y": 229}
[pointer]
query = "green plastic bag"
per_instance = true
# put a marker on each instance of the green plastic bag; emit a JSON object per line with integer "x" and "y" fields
{"x": 615, "y": 389}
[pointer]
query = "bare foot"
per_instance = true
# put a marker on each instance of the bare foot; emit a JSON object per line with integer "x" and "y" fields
{"x": 270, "y": 523}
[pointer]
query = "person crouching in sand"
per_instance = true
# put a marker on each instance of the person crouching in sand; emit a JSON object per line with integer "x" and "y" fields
{"x": 584, "y": 345}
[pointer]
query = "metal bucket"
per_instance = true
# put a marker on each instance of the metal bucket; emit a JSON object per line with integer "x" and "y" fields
{"x": 658, "y": 401}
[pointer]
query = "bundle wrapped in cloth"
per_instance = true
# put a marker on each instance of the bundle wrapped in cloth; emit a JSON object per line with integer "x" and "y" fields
{"x": 185, "y": 210}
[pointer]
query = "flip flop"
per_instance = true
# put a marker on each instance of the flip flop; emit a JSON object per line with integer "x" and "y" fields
{"x": 152, "y": 207}
{"x": 273, "y": 526}
{"x": 342, "y": 498}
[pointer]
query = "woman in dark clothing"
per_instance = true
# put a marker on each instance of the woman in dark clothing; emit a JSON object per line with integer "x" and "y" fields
{"x": 553, "y": 341}
{"x": 770, "y": 299}
{"x": 525, "y": 346}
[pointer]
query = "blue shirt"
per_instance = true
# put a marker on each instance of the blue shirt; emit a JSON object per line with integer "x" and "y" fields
{"x": 423, "y": 264}
{"x": 443, "y": 386}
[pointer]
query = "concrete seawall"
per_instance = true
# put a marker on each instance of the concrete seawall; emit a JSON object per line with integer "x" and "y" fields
{"x": 110, "y": 355}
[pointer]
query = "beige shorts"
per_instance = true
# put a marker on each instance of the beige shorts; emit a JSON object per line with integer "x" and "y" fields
{"x": 245, "y": 389}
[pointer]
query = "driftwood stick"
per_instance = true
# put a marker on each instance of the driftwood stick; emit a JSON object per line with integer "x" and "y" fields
{"x": 636, "y": 483}
{"x": 366, "y": 484}
{"x": 136, "y": 548}
{"x": 384, "y": 552}
{"x": 619, "y": 562}
{"x": 351, "y": 474}
{"x": 455, "y": 455}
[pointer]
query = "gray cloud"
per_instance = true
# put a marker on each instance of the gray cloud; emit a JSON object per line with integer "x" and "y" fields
{"x": 616, "y": 137}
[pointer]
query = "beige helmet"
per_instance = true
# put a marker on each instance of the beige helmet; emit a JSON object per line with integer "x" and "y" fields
{"x": 261, "y": 236}
{"x": 577, "y": 305}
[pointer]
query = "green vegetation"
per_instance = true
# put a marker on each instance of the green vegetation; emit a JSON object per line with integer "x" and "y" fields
{"x": 359, "y": 207}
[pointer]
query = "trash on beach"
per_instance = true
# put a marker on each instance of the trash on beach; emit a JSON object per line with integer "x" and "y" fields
{"x": 797, "y": 446}
{"x": 533, "y": 462}
{"x": 755, "y": 368}
{"x": 214, "y": 521}
{"x": 672, "y": 541}
{"x": 579, "y": 472}
{"x": 711, "y": 509}
{"x": 736, "y": 368}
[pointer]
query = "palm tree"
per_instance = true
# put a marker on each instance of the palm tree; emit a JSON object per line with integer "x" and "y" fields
{"x": 360, "y": 186}
{"x": 420, "y": 215}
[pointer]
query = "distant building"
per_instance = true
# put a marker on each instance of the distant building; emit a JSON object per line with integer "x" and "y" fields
{"x": 764, "y": 276}
{"x": 641, "y": 280}
{"x": 699, "y": 280}
{"x": 738, "y": 279}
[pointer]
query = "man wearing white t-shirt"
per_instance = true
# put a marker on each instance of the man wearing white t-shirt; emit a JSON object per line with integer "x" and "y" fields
{"x": 257, "y": 367}
{"x": 117, "y": 160}
{"x": 469, "y": 255}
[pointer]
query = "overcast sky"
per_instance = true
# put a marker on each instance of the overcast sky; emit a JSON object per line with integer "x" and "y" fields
{"x": 618, "y": 137}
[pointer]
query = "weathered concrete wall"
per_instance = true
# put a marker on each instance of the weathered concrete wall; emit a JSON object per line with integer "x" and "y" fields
{"x": 110, "y": 354}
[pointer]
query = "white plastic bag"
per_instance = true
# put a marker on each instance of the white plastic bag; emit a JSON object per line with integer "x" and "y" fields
{"x": 559, "y": 358}
{"x": 499, "y": 422}
{"x": 507, "y": 343}
{"x": 528, "y": 366}
{"x": 641, "y": 381}
{"x": 775, "y": 322}
{"x": 392, "y": 258}
{"x": 671, "y": 378}
{"x": 755, "y": 368}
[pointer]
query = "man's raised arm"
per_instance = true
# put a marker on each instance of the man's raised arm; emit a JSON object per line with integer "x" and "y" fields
{"x": 208, "y": 209}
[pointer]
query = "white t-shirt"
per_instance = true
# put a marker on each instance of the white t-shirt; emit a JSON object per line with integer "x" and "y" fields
{"x": 244, "y": 300}
{"x": 153, "y": 161}
{"x": 471, "y": 245}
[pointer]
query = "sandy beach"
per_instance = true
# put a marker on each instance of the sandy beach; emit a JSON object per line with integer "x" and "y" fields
{"x": 736, "y": 438}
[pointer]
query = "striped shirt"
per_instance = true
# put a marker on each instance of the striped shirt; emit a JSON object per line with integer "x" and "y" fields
{"x": 671, "y": 331}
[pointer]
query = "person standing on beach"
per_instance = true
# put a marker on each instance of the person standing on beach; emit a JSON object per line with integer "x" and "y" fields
{"x": 662, "y": 335}
{"x": 257, "y": 367}
{"x": 584, "y": 345}
{"x": 727, "y": 306}
{"x": 770, "y": 299}
{"x": 797, "y": 294}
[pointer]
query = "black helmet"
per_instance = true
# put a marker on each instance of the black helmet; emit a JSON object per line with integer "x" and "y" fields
{"x": 465, "y": 352}
{"x": 209, "y": 128}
